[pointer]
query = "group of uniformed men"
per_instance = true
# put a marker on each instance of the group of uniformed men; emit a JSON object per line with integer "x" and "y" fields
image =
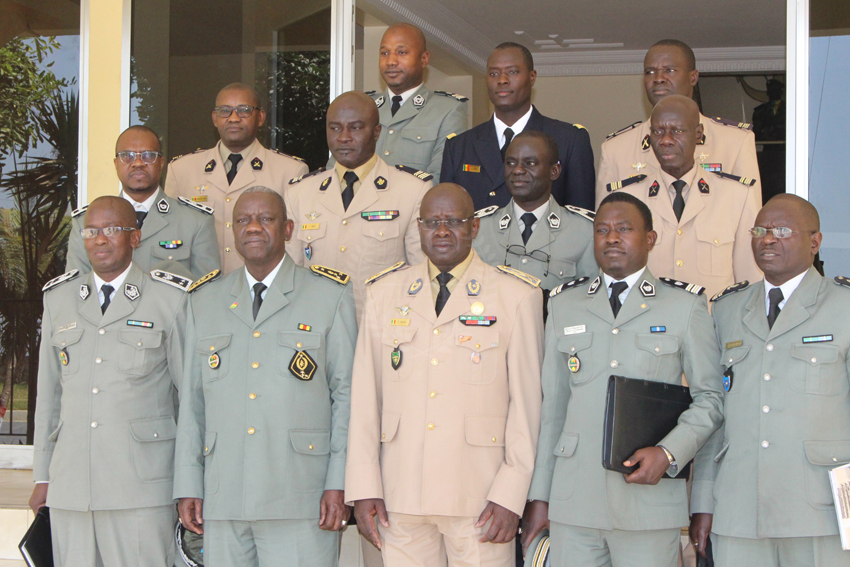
{"x": 354, "y": 337}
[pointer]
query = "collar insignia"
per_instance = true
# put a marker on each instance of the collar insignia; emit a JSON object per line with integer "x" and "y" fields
{"x": 415, "y": 287}
{"x": 594, "y": 286}
{"x": 554, "y": 220}
{"x": 473, "y": 287}
{"x": 257, "y": 164}
{"x": 418, "y": 101}
{"x": 162, "y": 206}
{"x": 210, "y": 166}
{"x": 84, "y": 292}
{"x": 132, "y": 292}
{"x": 505, "y": 221}
{"x": 647, "y": 289}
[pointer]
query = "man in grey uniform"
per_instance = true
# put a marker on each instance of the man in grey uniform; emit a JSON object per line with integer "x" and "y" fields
{"x": 264, "y": 410}
{"x": 110, "y": 361}
{"x": 786, "y": 346}
{"x": 176, "y": 235}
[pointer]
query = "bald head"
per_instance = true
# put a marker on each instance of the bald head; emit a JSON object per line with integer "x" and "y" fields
{"x": 252, "y": 97}
{"x": 352, "y": 128}
{"x": 681, "y": 106}
{"x": 803, "y": 210}
{"x": 412, "y": 35}
{"x": 447, "y": 246}
{"x": 782, "y": 259}
{"x": 402, "y": 57}
{"x": 674, "y": 132}
{"x": 121, "y": 210}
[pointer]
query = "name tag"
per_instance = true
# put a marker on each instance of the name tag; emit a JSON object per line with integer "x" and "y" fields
{"x": 734, "y": 344}
{"x": 400, "y": 322}
{"x": 311, "y": 226}
{"x": 200, "y": 199}
{"x": 67, "y": 327}
{"x": 575, "y": 330}
{"x": 472, "y": 168}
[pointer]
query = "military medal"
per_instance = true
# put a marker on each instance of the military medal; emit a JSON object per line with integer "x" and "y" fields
{"x": 478, "y": 320}
{"x": 308, "y": 251}
{"x": 477, "y": 308}
{"x": 574, "y": 364}
{"x": 302, "y": 366}
{"x": 171, "y": 244}
{"x": 728, "y": 376}
{"x": 63, "y": 356}
{"x": 214, "y": 361}
{"x": 303, "y": 327}
{"x": 395, "y": 358}
{"x": 476, "y": 357}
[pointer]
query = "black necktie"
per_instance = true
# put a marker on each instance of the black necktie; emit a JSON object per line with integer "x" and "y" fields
{"x": 140, "y": 219}
{"x": 348, "y": 193}
{"x": 679, "y": 201}
{"x": 444, "y": 278}
{"x": 107, "y": 294}
{"x": 509, "y": 135}
{"x": 259, "y": 288}
{"x": 775, "y": 296}
{"x": 234, "y": 160}
{"x": 616, "y": 289}
{"x": 528, "y": 219}
{"x": 396, "y": 104}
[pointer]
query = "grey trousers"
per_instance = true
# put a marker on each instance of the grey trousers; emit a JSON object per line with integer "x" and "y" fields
{"x": 269, "y": 543}
{"x": 779, "y": 552}
{"x": 571, "y": 546}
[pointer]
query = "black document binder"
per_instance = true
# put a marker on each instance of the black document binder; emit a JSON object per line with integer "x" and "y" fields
{"x": 37, "y": 546}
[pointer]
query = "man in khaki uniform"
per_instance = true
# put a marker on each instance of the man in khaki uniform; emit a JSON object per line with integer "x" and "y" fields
{"x": 110, "y": 362}
{"x": 786, "y": 346}
{"x": 360, "y": 216}
{"x": 176, "y": 235}
{"x": 533, "y": 233}
{"x": 445, "y": 399}
{"x": 729, "y": 146}
{"x": 702, "y": 218}
{"x": 217, "y": 176}
{"x": 263, "y": 427}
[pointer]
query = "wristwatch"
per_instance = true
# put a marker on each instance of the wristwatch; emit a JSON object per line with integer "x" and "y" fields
{"x": 674, "y": 466}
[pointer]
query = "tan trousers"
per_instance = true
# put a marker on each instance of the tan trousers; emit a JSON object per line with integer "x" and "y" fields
{"x": 585, "y": 547}
{"x": 139, "y": 537}
{"x": 435, "y": 541}
{"x": 779, "y": 552}
{"x": 269, "y": 543}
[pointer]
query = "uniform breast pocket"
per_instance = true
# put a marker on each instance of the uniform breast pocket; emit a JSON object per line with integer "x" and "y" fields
{"x": 159, "y": 253}
{"x": 399, "y": 356}
{"x": 291, "y": 342}
{"x": 479, "y": 353}
{"x": 140, "y": 351}
{"x": 67, "y": 351}
{"x": 562, "y": 269}
{"x": 824, "y": 374}
{"x": 309, "y": 232}
{"x": 381, "y": 243}
{"x": 656, "y": 354}
{"x": 714, "y": 248}
{"x": 418, "y": 145}
{"x": 215, "y": 356}
{"x": 576, "y": 350}
{"x": 729, "y": 358}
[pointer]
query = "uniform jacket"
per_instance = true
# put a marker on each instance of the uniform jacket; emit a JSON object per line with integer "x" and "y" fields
{"x": 255, "y": 441}
{"x": 711, "y": 244}
{"x": 566, "y": 235}
{"x": 727, "y": 146}
{"x": 105, "y": 417}
{"x": 485, "y": 177}
{"x": 790, "y": 390}
{"x": 444, "y": 434}
{"x": 201, "y": 177}
{"x": 176, "y": 237}
{"x": 659, "y": 333}
{"x": 328, "y": 235}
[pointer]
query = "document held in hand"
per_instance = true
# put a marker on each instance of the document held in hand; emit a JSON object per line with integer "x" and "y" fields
{"x": 839, "y": 478}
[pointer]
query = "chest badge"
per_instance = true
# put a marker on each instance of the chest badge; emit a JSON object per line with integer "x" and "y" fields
{"x": 214, "y": 361}
{"x": 478, "y": 320}
{"x": 403, "y": 310}
{"x": 476, "y": 358}
{"x": 63, "y": 357}
{"x": 574, "y": 364}
{"x": 638, "y": 166}
{"x": 728, "y": 376}
{"x": 395, "y": 358}
{"x": 477, "y": 308}
{"x": 302, "y": 366}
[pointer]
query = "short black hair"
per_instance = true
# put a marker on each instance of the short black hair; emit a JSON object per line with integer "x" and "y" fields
{"x": 618, "y": 197}
{"x": 526, "y": 54}
{"x": 140, "y": 128}
{"x": 686, "y": 50}
{"x": 548, "y": 141}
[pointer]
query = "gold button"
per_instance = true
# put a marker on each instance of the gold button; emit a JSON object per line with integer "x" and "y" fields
{"x": 94, "y": 390}
{"x": 206, "y": 449}
{"x": 478, "y": 346}
{"x": 433, "y": 394}
{"x": 436, "y": 331}
{"x": 716, "y": 241}
{"x": 386, "y": 152}
{"x": 99, "y": 332}
{"x": 93, "y": 424}
{"x": 310, "y": 447}
{"x": 251, "y": 431}
{"x": 392, "y": 131}
{"x": 434, "y": 361}
{"x": 342, "y": 248}
{"x": 227, "y": 249}
{"x": 227, "y": 225}
{"x": 155, "y": 435}
{"x": 572, "y": 349}
{"x": 256, "y": 334}
{"x": 430, "y": 426}
{"x": 63, "y": 342}
{"x": 380, "y": 234}
{"x": 525, "y": 260}
{"x": 766, "y": 376}
{"x": 814, "y": 360}
{"x": 252, "y": 395}
{"x": 212, "y": 348}
{"x": 171, "y": 257}
{"x": 494, "y": 439}
{"x": 615, "y": 331}
{"x": 227, "y": 199}
{"x": 679, "y": 263}
{"x": 255, "y": 365}
{"x": 139, "y": 343}
{"x": 657, "y": 349}
{"x": 345, "y": 222}
{"x": 297, "y": 345}
{"x": 679, "y": 232}
{"x": 643, "y": 305}
{"x": 395, "y": 341}
{"x": 769, "y": 348}
{"x": 614, "y": 364}
{"x": 418, "y": 137}
{"x": 309, "y": 238}
{"x": 383, "y": 435}
{"x": 98, "y": 360}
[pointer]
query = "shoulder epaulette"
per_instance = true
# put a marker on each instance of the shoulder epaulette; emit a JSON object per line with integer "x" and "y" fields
{"x": 520, "y": 275}
{"x": 461, "y": 98}
{"x": 452, "y": 135}
{"x": 626, "y": 129}
{"x": 486, "y": 212}
{"x": 335, "y": 275}
{"x": 175, "y": 158}
{"x": 748, "y": 181}
{"x": 693, "y": 288}
{"x": 199, "y": 206}
{"x": 296, "y": 158}
{"x": 370, "y": 93}
{"x": 741, "y": 125}
{"x": 423, "y": 175}
{"x": 625, "y": 182}
{"x": 306, "y": 175}
{"x": 179, "y": 282}
{"x": 589, "y": 215}
{"x": 568, "y": 285}
{"x": 66, "y": 277}
{"x": 842, "y": 281}
{"x": 579, "y": 126}
{"x": 382, "y": 273}
{"x": 79, "y": 211}
{"x": 215, "y": 274}
{"x": 730, "y": 290}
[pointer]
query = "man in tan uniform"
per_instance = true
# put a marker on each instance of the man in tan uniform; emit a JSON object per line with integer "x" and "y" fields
{"x": 702, "y": 218}
{"x": 359, "y": 217}
{"x": 217, "y": 176}
{"x": 670, "y": 68}
{"x": 445, "y": 399}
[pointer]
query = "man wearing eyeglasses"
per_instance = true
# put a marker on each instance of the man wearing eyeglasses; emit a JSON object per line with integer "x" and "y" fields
{"x": 176, "y": 235}
{"x": 110, "y": 363}
{"x": 359, "y": 216}
{"x": 445, "y": 399}
{"x": 702, "y": 218}
{"x": 764, "y": 477}
{"x": 533, "y": 233}
{"x": 217, "y": 176}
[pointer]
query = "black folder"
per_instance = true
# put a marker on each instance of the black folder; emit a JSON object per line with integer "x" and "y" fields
{"x": 37, "y": 546}
{"x": 638, "y": 414}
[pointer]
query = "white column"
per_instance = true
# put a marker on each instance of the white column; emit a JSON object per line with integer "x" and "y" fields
{"x": 797, "y": 98}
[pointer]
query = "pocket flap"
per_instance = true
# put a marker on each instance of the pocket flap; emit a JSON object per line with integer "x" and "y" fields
{"x": 381, "y": 230}
{"x": 209, "y": 442}
{"x": 311, "y": 441}
{"x": 571, "y": 344}
{"x": 567, "y": 444}
{"x": 389, "y": 425}
{"x": 309, "y": 231}
{"x": 397, "y": 335}
{"x": 181, "y": 253}
{"x": 66, "y": 338}
{"x": 732, "y": 356}
{"x": 419, "y": 135}
{"x": 140, "y": 339}
{"x": 722, "y": 452}
{"x": 657, "y": 343}
{"x": 55, "y": 435}
{"x": 828, "y": 453}
{"x": 209, "y": 345}
{"x": 815, "y": 354}
{"x": 478, "y": 339}
{"x": 562, "y": 268}
{"x": 713, "y": 233}
{"x": 485, "y": 430}
{"x": 299, "y": 340}
{"x": 154, "y": 429}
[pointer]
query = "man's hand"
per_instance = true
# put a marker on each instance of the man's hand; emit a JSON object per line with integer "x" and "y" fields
{"x": 333, "y": 513}
{"x": 191, "y": 511}
{"x": 365, "y": 512}
{"x": 504, "y": 526}
{"x": 39, "y": 496}
{"x": 652, "y": 463}
{"x": 534, "y": 520}
{"x": 699, "y": 530}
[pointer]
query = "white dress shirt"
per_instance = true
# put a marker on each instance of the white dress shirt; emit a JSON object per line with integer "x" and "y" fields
{"x": 516, "y": 127}
{"x": 115, "y": 283}
{"x": 267, "y": 281}
{"x": 787, "y": 289}
{"x": 540, "y": 212}
{"x": 143, "y": 207}
{"x": 630, "y": 280}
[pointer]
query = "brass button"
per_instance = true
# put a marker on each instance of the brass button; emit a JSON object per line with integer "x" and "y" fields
{"x": 716, "y": 241}
{"x": 765, "y": 409}
{"x": 309, "y": 237}
{"x": 478, "y": 346}
{"x": 380, "y": 234}
{"x": 94, "y": 390}
{"x": 615, "y": 331}
{"x": 251, "y": 431}
{"x": 310, "y": 447}
{"x": 614, "y": 364}
{"x": 436, "y": 331}
{"x": 212, "y": 348}
{"x": 255, "y": 365}
{"x": 679, "y": 232}
{"x": 767, "y": 377}
{"x": 227, "y": 199}
{"x": 227, "y": 249}
{"x": 395, "y": 341}
{"x": 430, "y": 426}
{"x": 63, "y": 343}
{"x": 386, "y": 152}
{"x": 98, "y": 360}
{"x": 206, "y": 449}
{"x": 392, "y": 131}
{"x": 252, "y": 395}
{"x": 418, "y": 137}
{"x": 769, "y": 348}
{"x": 94, "y": 425}
{"x": 525, "y": 260}
{"x": 494, "y": 439}
{"x": 561, "y": 273}
{"x": 657, "y": 349}
{"x": 256, "y": 334}
{"x": 342, "y": 248}
{"x": 171, "y": 257}
{"x": 345, "y": 222}
{"x": 99, "y": 332}
{"x": 383, "y": 435}
{"x": 139, "y": 343}
{"x": 297, "y": 345}
{"x": 680, "y": 263}
{"x": 814, "y": 360}
{"x": 765, "y": 444}
{"x": 572, "y": 349}
{"x": 155, "y": 435}
{"x": 434, "y": 361}
{"x": 227, "y": 225}
{"x": 643, "y": 305}
{"x": 433, "y": 394}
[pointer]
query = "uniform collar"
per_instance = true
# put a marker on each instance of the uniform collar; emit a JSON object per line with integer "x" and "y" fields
{"x": 251, "y": 150}
{"x": 267, "y": 281}
{"x": 405, "y": 95}
{"x": 361, "y": 171}
{"x": 540, "y": 212}
{"x": 456, "y": 272}
{"x": 146, "y": 205}
{"x": 787, "y": 289}
{"x": 516, "y": 127}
